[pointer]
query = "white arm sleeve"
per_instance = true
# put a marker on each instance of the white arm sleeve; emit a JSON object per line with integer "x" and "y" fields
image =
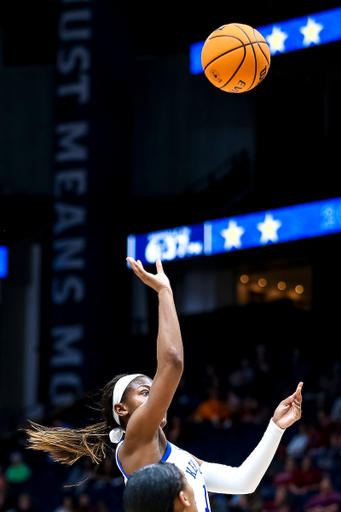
{"x": 244, "y": 479}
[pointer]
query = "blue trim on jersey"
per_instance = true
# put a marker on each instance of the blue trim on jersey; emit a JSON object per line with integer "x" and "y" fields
{"x": 167, "y": 452}
{"x": 118, "y": 462}
{"x": 164, "y": 458}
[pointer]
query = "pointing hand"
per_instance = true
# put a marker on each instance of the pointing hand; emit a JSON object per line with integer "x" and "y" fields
{"x": 289, "y": 410}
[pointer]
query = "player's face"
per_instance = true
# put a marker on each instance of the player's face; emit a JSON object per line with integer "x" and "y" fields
{"x": 138, "y": 393}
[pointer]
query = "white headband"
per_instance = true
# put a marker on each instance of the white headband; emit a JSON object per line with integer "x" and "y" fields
{"x": 119, "y": 389}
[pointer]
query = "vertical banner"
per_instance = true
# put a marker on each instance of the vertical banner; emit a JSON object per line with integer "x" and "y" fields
{"x": 92, "y": 140}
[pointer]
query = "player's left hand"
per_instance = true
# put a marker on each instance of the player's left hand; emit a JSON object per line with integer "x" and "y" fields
{"x": 290, "y": 409}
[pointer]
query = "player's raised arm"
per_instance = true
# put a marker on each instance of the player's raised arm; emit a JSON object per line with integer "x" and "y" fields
{"x": 133, "y": 406}
{"x": 245, "y": 478}
{"x": 145, "y": 421}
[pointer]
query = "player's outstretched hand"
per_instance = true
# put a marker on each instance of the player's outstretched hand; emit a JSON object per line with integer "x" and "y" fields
{"x": 290, "y": 409}
{"x": 156, "y": 281}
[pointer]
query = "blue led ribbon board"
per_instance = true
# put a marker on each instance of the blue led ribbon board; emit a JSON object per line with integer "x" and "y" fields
{"x": 171, "y": 244}
{"x": 3, "y": 261}
{"x": 258, "y": 229}
{"x": 290, "y": 35}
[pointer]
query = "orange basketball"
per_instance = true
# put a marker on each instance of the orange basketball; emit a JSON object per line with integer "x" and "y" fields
{"x": 235, "y": 58}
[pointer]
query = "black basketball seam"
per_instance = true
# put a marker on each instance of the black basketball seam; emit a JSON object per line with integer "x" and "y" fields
{"x": 224, "y": 35}
{"x": 254, "y": 56}
{"x": 238, "y": 68}
{"x": 222, "y": 55}
{"x": 233, "y": 37}
{"x": 236, "y": 48}
{"x": 258, "y": 43}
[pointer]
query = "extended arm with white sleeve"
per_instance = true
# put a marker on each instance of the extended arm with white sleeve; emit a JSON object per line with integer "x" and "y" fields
{"x": 244, "y": 479}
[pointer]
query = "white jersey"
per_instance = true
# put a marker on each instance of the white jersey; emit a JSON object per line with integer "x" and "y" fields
{"x": 184, "y": 461}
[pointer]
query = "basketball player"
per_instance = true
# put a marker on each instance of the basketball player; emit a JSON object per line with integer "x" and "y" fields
{"x": 159, "y": 487}
{"x": 135, "y": 407}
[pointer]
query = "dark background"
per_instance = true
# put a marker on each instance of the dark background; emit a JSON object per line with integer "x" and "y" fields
{"x": 166, "y": 149}
{"x": 161, "y": 133}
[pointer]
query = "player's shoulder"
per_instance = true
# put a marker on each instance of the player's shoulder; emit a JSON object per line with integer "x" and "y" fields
{"x": 180, "y": 454}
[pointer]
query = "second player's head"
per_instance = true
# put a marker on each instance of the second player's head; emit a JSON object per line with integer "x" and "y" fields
{"x": 159, "y": 487}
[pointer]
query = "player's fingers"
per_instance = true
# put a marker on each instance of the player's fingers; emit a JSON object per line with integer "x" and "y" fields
{"x": 288, "y": 400}
{"x": 298, "y": 392}
{"x": 132, "y": 263}
{"x": 139, "y": 263}
{"x": 299, "y": 388}
{"x": 137, "y": 267}
{"x": 159, "y": 267}
{"x": 298, "y": 410}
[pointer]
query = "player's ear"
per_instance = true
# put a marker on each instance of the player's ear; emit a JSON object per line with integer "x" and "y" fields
{"x": 184, "y": 501}
{"x": 121, "y": 410}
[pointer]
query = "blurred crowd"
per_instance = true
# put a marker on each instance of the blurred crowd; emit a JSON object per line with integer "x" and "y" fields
{"x": 219, "y": 419}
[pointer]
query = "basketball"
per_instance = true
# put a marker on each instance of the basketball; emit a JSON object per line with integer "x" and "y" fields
{"x": 235, "y": 58}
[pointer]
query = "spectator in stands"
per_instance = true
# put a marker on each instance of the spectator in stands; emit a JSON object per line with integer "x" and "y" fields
{"x": 84, "y": 504}
{"x": 245, "y": 502}
{"x": 242, "y": 378}
{"x": 298, "y": 444}
{"x": 251, "y": 411}
{"x": 308, "y": 478}
{"x": 239, "y": 503}
{"x": 325, "y": 392}
{"x": 320, "y": 431}
{"x": 286, "y": 477}
{"x": 23, "y": 504}
{"x": 279, "y": 501}
{"x": 212, "y": 409}
{"x": 106, "y": 471}
{"x": 67, "y": 505}
{"x": 332, "y": 453}
{"x": 18, "y": 471}
{"x": 18, "y": 475}
{"x": 234, "y": 405}
{"x": 305, "y": 482}
{"x": 326, "y": 500}
{"x": 80, "y": 474}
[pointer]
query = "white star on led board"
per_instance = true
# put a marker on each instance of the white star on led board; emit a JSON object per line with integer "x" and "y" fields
{"x": 269, "y": 229}
{"x": 311, "y": 32}
{"x": 232, "y": 235}
{"x": 276, "y": 40}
